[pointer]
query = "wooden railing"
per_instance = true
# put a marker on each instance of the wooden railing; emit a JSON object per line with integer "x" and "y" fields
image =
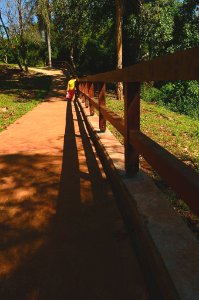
{"x": 64, "y": 65}
{"x": 178, "y": 66}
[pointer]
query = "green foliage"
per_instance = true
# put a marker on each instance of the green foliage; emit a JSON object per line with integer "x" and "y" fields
{"x": 43, "y": 12}
{"x": 71, "y": 22}
{"x": 99, "y": 52}
{"x": 182, "y": 97}
{"x": 86, "y": 28}
{"x": 177, "y": 133}
{"x": 5, "y": 51}
{"x": 83, "y": 32}
{"x": 153, "y": 28}
{"x": 179, "y": 96}
{"x": 150, "y": 93}
{"x": 162, "y": 27}
{"x": 36, "y": 47}
{"x": 186, "y": 24}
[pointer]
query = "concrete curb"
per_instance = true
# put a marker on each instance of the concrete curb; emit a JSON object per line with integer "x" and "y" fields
{"x": 168, "y": 250}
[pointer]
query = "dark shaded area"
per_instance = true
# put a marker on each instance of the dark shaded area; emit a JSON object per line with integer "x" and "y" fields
{"x": 66, "y": 246}
{"x": 27, "y": 86}
{"x": 6, "y": 72}
{"x": 28, "y": 191}
{"x": 58, "y": 89}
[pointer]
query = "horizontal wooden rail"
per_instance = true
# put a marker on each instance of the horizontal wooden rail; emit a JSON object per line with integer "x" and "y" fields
{"x": 95, "y": 104}
{"x": 110, "y": 116}
{"x": 182, "y": 65}
{"x": 182, "y": 178}
{"x": 113, "y": 118}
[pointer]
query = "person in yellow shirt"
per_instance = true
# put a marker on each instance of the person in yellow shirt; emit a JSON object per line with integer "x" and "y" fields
{"x": 71, "y": 87}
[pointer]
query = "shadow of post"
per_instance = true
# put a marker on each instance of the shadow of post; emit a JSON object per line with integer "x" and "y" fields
{"x": 43, "y": 270}
{"x": 69, "y": 195}
{"x": 98, "y": 183}
{"x": 64, "y": 266}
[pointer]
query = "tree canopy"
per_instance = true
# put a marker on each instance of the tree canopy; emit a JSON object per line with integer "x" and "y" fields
{"x": 86, "y": 34}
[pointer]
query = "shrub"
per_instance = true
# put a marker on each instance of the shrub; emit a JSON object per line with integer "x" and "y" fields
{"x": 179, "y": 96}
{"x": 150, "y": 93}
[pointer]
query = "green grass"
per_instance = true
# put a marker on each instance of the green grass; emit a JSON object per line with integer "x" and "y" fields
{"x": 177, "y": 133}
{"x": 19, "y": 93}
{"x": 11, "y": 109}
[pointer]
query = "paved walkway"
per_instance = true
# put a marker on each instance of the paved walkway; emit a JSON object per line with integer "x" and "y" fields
{"x": 62, "y": 236}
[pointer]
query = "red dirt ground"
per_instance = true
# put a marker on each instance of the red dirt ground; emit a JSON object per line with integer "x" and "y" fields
{"x": 62, "y": 236}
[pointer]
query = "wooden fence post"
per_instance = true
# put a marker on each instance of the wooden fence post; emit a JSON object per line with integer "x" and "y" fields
{"x": 131, "y": 121}
{"x": 91, "y": 95}
{"x": 83, "y": 90}
{"x": 102, "y": 101}
{"x": 86, "y": 92}
{"x": 80, "y": 89}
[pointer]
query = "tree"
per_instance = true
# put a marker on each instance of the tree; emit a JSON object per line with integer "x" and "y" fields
{"x": 84, "y": 34}
{"x": 3, "y": 45}
{"x": 70, "y": 20}
{"x": 43, "y": 12}
{"x": 186, "y": 24}
{"x": 152, "y": 29}
{"x": 21, "y": 34}
{"x": 131, "y": 40}
{"x": 12, "y": 48}
{"x": 18, "y": 15}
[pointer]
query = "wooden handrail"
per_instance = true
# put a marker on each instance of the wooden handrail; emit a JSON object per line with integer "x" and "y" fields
{"x": 113, "y": 118}
{"x": 182, "y": 178}
{"x": 91, "y": 100}
{"x": 110, "y": 116}
{"x": 182, "y": 65}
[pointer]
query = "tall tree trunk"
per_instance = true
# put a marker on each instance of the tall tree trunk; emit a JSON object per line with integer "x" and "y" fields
{"x": 10, "y": 43}
{"x": 5, "y": 59}
{"x": 49, "y": 46}
{"x": 119, "y": 20}
{"x": 72, "y": 59}
{"x": 21, "y": 32}
{"x": 44, "y": 18}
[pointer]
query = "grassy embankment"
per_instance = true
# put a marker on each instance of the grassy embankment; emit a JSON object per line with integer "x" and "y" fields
{"x": 19, "y": 93}
{"x": 179, "y": 134}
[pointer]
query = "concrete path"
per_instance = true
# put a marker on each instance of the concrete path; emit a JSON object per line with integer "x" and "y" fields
{"x": 62, "y": 236}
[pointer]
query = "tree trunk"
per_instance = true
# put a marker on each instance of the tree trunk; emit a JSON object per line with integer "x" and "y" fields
{"x": 72, "y": 59}
{"x": 4, "y": 48}
{"x": 49, "y": 47}
{"x": 119, "y": 19}
{"x": 21, "y": 33}
{"x": 5, "y": 58}
{"x": 10, "y": 44}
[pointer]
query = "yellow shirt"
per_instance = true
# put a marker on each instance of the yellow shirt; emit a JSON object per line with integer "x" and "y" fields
{"x": 71, "y": 84}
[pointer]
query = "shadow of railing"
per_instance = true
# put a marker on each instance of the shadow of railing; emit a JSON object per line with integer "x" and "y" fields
{"x": 46, "y": 242}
